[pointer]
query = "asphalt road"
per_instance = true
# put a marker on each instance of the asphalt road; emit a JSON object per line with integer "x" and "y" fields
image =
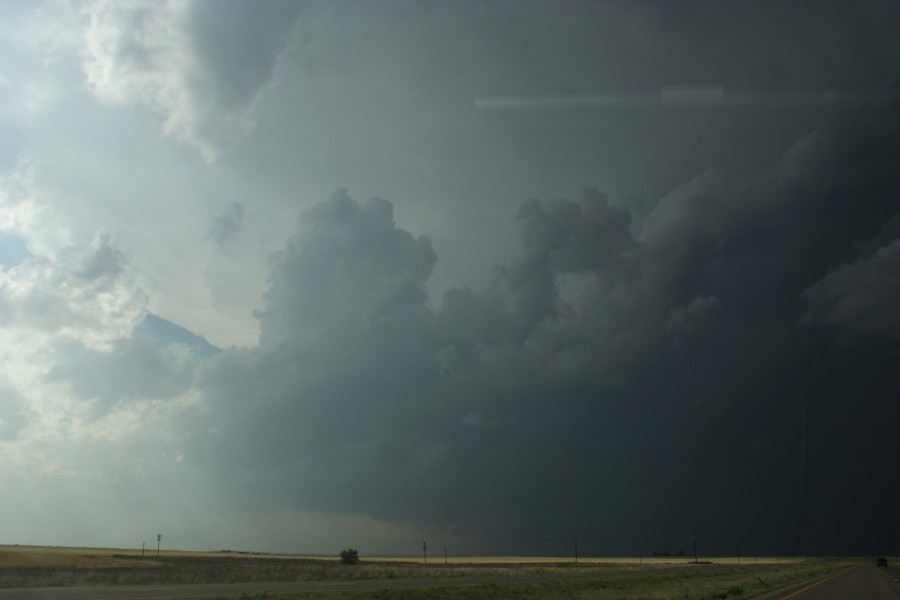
{"x": 865, "y": 582}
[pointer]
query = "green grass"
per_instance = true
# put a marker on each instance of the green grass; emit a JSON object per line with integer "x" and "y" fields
{"x": 700, "y": 582}
{"x": 601, "y": 581}
{"x": 178, "y": 570}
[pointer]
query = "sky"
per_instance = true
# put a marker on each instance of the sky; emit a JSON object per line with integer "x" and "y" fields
{"x": 299, "y": 276}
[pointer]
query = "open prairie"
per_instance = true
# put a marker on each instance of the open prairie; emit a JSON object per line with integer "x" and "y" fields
{"x": 591, "y": 560}
{"x": 115, "y": 558}
{"x": 28, "y": 566}
{"x": 102, "y": 558}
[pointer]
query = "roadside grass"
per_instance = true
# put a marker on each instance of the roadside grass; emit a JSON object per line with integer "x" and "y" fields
{"x": 698, "y": 582}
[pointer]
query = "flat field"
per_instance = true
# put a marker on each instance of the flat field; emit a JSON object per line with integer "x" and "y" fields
{"x": 590, "y": 578}
{"x": 592, "y": 560}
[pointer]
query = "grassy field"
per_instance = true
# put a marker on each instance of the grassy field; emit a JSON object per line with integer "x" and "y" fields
{"x": 617, "y": 560}
{"x": 606, "y": 578}
{"x": 699, "y": 582}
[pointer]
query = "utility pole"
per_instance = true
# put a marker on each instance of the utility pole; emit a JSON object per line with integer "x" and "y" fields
{"x": 445, "y": 555}
{"x": 576, "y": 550}
{"x": 694, "y": 539}
{"x": 158, "y": 540}
{"x": 425, "y": 551}
{"x": 143, "y": 545}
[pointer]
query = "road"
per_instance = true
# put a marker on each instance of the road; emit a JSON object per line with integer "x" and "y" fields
{"x": 865, "y": 582}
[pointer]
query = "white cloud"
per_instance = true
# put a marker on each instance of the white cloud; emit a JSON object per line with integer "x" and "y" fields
{"x": 172, "y": 57}
{"x": 86, "y": 297}
{"x": 35, "y": 95}
{"x": 52, "y": 30}
{"x": 53, "y": 309}
{"x": 24, "y": 210}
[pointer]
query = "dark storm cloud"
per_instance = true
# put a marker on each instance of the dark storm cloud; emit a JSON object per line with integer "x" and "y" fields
{"x": 241, "y": 46}
{"x": 564, "y": 237}
{"x": 864, "y": 296}
{"x": 638, "y": 368}
{"x": 345, "y": 326}
{"x": 348, "y": 266}
{"x": 685, "y": 321}
{"x": 629, "y": 376}
{"x": 138, "y": 368}
{"x": 104, "y": 262}
{"x": 718, "y": 353}
{"x": 228, "y": 225}
{"x": 860, "y": 295}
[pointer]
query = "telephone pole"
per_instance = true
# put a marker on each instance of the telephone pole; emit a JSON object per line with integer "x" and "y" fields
{"x": 425, "y": 551}
{"x": 158, "y": 540}
{"x": 694, "y": 539}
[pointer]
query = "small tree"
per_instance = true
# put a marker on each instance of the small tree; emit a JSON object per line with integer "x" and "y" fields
{"x": 350, "y": 556}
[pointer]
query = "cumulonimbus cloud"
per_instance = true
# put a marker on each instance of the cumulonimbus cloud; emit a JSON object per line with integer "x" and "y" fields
{"x": 373, "y": 400}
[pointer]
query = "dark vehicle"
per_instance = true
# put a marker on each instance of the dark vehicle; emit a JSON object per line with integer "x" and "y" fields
{"x": 880, "y": 561}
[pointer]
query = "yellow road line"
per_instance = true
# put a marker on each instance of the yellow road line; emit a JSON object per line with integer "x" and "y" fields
{"x": 812, "y": 585}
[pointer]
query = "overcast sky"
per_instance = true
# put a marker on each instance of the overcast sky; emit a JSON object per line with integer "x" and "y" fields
{"x": 278, "y": 276}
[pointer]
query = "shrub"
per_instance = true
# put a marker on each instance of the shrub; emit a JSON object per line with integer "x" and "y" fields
{"x": 349, "y": 556}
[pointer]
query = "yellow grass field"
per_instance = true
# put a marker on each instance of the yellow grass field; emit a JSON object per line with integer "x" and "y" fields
{"x": 99, "y": 558}
{"x": 665, "y": 577}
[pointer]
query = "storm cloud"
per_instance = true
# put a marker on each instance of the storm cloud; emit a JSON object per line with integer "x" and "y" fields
{"x": 620, "y": 359}
{"x": 228, "y": 225}
{"x": 272, "y": 281}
